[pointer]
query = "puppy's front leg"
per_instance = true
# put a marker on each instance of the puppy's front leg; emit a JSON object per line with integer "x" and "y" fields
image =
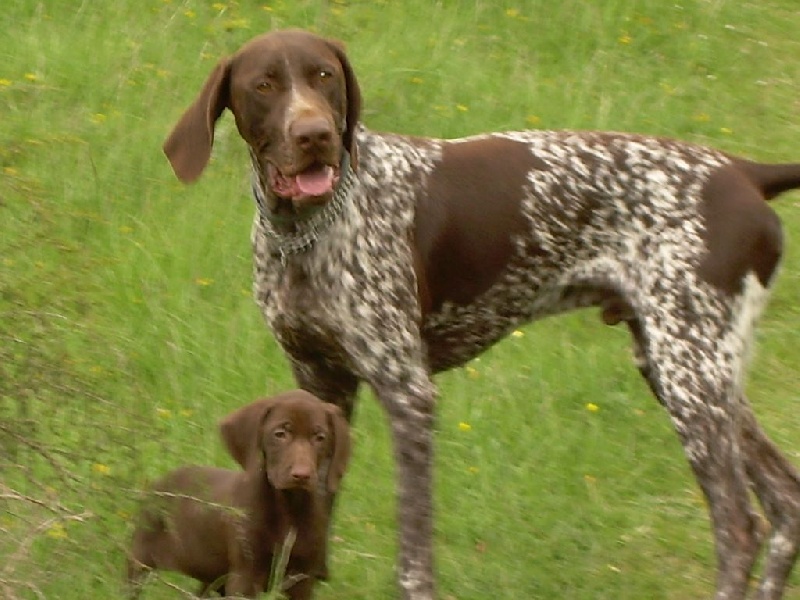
{"x": 241, "y": 583}
{"x": 301, "y": 589}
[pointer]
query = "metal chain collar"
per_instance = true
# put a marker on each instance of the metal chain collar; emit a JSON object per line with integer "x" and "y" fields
{"x": 308, "y": 231}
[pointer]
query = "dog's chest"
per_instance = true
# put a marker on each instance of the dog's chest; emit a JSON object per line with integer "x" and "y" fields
{"x": 304, "y": 316}
{"x": 351, "y": 299}
{"x": 340, "y": 300}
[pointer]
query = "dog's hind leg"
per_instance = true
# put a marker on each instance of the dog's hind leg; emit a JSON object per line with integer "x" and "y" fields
{"x": 690, "y": 350}
{"x": 776, "y": 483}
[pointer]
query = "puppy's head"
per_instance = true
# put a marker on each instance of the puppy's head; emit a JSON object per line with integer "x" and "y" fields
{"x": 296, "y": 438}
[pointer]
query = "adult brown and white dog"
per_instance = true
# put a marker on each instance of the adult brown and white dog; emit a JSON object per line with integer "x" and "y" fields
{"x": 384, "y": 258}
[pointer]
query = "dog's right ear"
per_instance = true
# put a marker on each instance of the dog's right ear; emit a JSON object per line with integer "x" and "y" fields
{"x": 188, "y": 147}
{"x": 240, "y": 431}
{"x": 353, "y": 94}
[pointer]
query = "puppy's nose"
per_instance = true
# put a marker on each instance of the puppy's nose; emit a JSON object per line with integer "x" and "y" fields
{"x": 301, "y": 474}
{"x": 314, "y": 132}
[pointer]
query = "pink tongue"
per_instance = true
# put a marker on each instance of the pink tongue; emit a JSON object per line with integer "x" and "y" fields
{"x": 316, "y": 182}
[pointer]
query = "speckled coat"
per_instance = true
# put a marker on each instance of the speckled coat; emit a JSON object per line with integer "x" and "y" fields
{"x": 429, "y": 251}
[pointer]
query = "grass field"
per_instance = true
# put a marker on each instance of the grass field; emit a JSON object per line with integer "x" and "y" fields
{"x": 127, "y": 327}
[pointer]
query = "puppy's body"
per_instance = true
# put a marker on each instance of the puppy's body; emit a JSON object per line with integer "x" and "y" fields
{"x": 207, "y": 522}
{"x": 226, "y": 528}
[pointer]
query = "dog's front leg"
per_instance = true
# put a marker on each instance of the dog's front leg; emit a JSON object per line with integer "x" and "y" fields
{"x": 337, "y": 386}
{"x": 410, "y": 408}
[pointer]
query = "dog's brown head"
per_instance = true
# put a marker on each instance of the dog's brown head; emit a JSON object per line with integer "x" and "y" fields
{"x": 292, "y": 436}
{"x": 296, "y": 103}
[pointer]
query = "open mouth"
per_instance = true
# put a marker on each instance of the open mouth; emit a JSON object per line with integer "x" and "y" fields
{"x": 314, "y": 181}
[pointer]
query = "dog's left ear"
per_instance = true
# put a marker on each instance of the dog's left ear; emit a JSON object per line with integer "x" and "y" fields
{"x": 353, "y": 112}
{"x": 341, "y": 446}
{"x": 240, "y": 431}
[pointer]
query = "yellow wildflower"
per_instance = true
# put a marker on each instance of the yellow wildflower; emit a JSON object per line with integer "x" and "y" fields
{"x": 667, "y": 88}
{"x": 237, "y": 24}
{"x": 57, "y": 531}
{"x": 101, "y": 469}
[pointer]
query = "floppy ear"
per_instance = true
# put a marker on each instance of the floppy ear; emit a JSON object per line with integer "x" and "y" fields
{"x": 341, "y": 446}
{"x": 353, "y": 112}
{"x": 240, "y": 431}
{"x": 188, "y": 147}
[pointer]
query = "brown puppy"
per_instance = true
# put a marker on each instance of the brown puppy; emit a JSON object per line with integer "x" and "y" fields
{"x": 225, "y": 528}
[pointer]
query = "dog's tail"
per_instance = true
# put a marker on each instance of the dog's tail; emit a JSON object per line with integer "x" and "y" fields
{"x": 773, "y": 179}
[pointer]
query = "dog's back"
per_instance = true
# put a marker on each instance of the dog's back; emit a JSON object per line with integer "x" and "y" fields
{"x": 183, "y": 524}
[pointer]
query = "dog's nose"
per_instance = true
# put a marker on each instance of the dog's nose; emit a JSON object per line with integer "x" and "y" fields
{"x": 300, "y": 474}
{"x": 311, "y": 132}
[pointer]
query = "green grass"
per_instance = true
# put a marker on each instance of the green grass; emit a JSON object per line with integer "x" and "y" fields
{"x": 127, "y": 328}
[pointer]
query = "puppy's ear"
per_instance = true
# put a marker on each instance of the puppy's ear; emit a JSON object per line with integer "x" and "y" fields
{"x": 241, "y": 428}
{"x": 341, "y": 446}
{"x": 353, "y": 113}
{"x": 188, "y": 147}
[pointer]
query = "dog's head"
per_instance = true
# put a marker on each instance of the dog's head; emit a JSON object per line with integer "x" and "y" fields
{"x": 296, "y": 103}
{"x": 294, "y": 437}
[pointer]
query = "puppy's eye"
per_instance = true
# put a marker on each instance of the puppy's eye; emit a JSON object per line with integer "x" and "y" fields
{"x": 280, "y": 434}
{"x": 265, "y": 86}
{"x": 320, "y": 437}
{"x": 324, "y": 74}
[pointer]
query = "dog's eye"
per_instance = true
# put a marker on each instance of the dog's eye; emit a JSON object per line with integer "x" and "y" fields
{"x": 280, "y": 434}
{"x": 324, "y": 74}
{"x": 320, "y": 437}
{"x": 265, "y": 86}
